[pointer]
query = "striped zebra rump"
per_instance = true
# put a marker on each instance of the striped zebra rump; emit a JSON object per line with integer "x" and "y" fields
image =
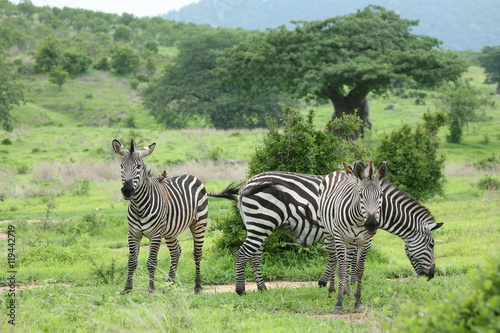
{"x": 271, "y": 200}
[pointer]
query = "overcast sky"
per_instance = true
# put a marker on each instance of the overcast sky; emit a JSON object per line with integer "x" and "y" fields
{"x": 137, "y": 7}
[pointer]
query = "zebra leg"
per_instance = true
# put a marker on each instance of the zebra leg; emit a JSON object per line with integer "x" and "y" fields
{"x": 343, "y": 278}
{"x": 175, "y": 254}
{"x": 198, "y": 231}
{"x": 360, "y": 268}
{"x": 153, "y": 260}
{"x": 133, "y": 248}
{"x": 352, "y": 255}
{"x": 331, "y": 264}
{"x": 255, "y": 261}
{"x": 243, "y": 255}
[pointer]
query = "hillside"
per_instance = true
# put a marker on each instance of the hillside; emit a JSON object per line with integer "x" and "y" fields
{"x": 460, "y": 24}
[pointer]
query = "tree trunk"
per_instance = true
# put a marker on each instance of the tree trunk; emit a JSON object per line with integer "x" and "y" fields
{"x": 360, "y": 108}
{"x": 498, "y": 88}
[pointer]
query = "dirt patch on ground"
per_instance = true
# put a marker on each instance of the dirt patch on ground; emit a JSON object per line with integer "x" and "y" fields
{"x": 253, "y": 286}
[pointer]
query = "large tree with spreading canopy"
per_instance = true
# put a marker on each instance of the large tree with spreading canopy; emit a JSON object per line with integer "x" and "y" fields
{"x": 341, "y": 59}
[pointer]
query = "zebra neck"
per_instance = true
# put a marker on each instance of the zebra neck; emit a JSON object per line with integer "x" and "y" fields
{"x": 146, "y": 196}
{"x": 402, "y": 215}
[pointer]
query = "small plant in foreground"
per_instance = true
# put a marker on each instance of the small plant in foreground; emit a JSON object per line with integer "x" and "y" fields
{"x": 476, "y": 309}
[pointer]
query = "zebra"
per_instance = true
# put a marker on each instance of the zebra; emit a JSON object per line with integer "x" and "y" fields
{"x": 272, "y": 200}
{"x": 161, "y": 210}
{"x": 351, "y": 209}
{"x": 277, "y": 199}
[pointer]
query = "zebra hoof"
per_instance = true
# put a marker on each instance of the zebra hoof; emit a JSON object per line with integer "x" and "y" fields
{"x": 198, "y": 290}
{"x": 322, "y": 283}
{"x": 338, "y": 309}
{"x": 240, "y": 292}
{"x": 359, "y": 308}
{"x": 125, "y": 291}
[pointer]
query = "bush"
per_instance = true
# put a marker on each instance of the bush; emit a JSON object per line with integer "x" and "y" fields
{"x": 302, "y": 148}
{"x": 475, "y": 309}
{"x": 489, "y": 183}
{"x": 298, "y": 148}
{"x": 487, "y": 163}
{"x": 413, "y": 159}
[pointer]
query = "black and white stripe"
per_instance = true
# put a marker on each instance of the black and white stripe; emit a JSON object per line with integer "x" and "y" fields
{"x": 291, "y": 202}
{"x": 160, "y": 210}
{"x": 349, "y": 211}
{"x": 272, "y": 200}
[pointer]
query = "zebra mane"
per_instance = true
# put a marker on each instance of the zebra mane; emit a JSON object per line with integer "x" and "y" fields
{"x": 398, "y": 193}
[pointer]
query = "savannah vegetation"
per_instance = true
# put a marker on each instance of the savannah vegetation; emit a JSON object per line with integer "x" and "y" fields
{"x": 60, "y": 182}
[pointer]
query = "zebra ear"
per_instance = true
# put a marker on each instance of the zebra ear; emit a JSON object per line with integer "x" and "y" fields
{"x": 382, "y": 170}
{"x": 118, "y": 147}
{"x": 359, "y": 170}
{"x": 435, "y": 226}
{"x": 146, "y": 151}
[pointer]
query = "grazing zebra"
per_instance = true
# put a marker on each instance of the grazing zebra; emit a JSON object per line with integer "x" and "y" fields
{"x": 160, "y": 210}
{"x": 280, "y": 199}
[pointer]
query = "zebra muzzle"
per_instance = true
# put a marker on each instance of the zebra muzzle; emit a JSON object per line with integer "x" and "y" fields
{"x": 371, "y": 224}
{"x": 127, "y": 189}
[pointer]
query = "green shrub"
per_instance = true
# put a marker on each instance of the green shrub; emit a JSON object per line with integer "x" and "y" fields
{"x": 487, "y": 163}
{"x": 475, "y": 309}
{"x": 413, "y": 159}
{"x": 6, "y": 141}
{"x": 298, "y": 148}
{"x": 489, "y": 183}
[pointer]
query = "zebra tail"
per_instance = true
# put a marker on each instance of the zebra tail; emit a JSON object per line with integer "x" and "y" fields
{"x": 231, "y": 192}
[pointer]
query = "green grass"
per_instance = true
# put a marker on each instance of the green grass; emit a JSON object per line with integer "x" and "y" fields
{"x": 60, "y": 180}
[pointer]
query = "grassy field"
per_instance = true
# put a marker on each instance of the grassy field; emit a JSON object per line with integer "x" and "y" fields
{"x": 60, "y": 180}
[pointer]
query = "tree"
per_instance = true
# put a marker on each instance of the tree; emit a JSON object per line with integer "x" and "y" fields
{"x": 48, "y": 54}
{"x": 490, "y": 61}
{"x": 189, "y": 89}
{"x": 461, "y": 102}
{"x": 412, "y": 155}
{"x": 341, "y": 59}
{"x": 122, "y": 34}
{"x": 11, "y": 91}
{"x": 58, "y": 75}
{"x": 124, "y": 60}
{"x": 11, "y": 94}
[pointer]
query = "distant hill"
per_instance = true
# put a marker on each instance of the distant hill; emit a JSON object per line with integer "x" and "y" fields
{"x": 459, "y": 24}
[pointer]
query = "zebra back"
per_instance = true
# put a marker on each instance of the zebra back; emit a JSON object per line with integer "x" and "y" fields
{"x": 284, "y": 200}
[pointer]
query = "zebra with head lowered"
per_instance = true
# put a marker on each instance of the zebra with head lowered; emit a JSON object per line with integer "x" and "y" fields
{"x": 160, "y": 210}
{"x": 290, "y": 201}
{"x": 352, "y": 206}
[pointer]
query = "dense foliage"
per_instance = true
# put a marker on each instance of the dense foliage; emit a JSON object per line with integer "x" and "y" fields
{"x": 341, "y": 59}
{"x": 301, "y": 148}
{"x": 475, "y": 309}
{"x": 412, "y": 155}
{"x": 188, "y": 90}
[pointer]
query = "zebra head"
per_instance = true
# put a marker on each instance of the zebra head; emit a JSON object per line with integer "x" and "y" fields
{"x": 420, "y": 251}
{"x": 133, "y": 168}
{"x": 370, "y": 192}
